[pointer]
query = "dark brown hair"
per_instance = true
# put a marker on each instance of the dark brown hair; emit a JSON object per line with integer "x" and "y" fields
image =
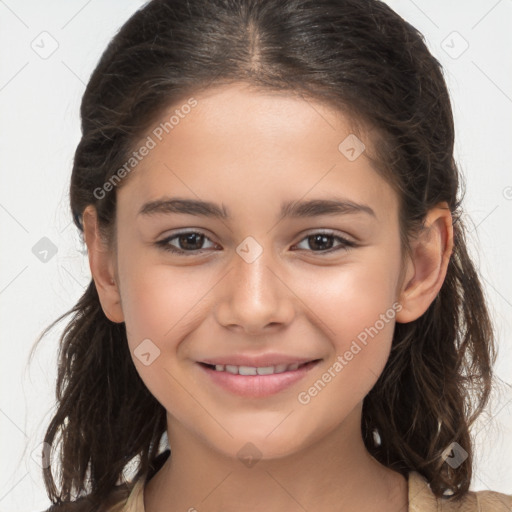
{"x": 360, "y": 57}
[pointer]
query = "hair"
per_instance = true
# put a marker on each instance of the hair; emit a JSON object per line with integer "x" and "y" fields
{"x": 362, "y": 59}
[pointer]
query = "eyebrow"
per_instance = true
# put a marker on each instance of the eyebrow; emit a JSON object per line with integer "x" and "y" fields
{"x": 295, "y": 209}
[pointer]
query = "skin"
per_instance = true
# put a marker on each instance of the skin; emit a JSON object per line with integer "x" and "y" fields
{"x": 295, "y": 298}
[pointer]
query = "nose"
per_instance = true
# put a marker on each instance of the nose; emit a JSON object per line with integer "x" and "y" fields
{"x": 255, "y": 298}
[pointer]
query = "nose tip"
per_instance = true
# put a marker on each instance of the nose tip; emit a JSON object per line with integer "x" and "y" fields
{"x": 255, "y": 299}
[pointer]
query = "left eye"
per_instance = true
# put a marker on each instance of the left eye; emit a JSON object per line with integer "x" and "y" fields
{"x": 321, "y": 239}
{"x": 190, "y": 242}
{"x": 187, "y": 242}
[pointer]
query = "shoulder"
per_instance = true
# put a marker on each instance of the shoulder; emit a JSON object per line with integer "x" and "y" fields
{"x": 128, "y": 496}
{"x": 114, "y": 503}
{"x": 422, "y": 499}
{"x": 492, "y": 500}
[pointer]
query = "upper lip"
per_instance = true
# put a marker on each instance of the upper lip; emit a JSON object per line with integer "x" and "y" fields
{"x": 261, "y": 360}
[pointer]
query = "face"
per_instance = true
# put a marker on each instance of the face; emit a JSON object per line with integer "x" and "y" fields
{"x": 317, "y": 284}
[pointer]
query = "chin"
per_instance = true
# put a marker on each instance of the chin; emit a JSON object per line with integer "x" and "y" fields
{"x": 261, "y": 441}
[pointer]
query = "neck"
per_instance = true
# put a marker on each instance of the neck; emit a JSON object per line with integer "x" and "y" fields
{"x": 333, "y": 473}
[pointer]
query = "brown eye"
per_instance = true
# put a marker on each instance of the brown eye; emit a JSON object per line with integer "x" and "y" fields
{"x": 191, "y": 241}
{"x": 323, "y": 242}
{"x": 187, "y": 243}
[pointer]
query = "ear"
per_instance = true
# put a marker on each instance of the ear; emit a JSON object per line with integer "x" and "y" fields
{"x": 426, "y": 268}
{"x": 101, "y": 261}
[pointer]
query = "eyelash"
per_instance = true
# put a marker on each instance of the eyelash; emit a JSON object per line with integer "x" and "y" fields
{"x": 165, "y": 245}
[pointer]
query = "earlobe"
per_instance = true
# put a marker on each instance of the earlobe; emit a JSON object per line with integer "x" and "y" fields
{"x": 428, "y": 264}
{"x": 101, "y": 262}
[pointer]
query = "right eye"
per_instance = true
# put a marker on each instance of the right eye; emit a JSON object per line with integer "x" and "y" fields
{"x": 321, "y": 238}
{"x": 187, "y": 242}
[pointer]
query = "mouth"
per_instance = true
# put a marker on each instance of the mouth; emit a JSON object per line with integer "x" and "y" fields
{"x": 256, "y": 382}
{"x": 258, "y": 370}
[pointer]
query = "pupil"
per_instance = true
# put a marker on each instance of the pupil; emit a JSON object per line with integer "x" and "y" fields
{"x": 189, "y": 238}
{"x": 321, "y": 239}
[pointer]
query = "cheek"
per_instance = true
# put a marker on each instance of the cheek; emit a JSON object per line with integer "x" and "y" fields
{"x": 158, "y": 301}
{"x": 351, "y": 297}
{"x": 154, "y": 296}
{"x": 354, "y": 306}
{"x": 160, "y": 304}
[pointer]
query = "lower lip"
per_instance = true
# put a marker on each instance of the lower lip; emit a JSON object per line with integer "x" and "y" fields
{"x": 257, "y": 386}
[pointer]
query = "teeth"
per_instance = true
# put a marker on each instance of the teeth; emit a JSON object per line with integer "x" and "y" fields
{"x": 232, "y": 368}
{"x": 251, "y": 370}
{"x": 247, "y": 370}
{"x": 267, "y": 370}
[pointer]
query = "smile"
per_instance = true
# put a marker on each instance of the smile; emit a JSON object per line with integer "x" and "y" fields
{"x": 256, "y": 382}
{"x": 252, "y": 370}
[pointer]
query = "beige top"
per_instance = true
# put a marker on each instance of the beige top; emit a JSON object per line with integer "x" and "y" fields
{"x": 421, "y": 499}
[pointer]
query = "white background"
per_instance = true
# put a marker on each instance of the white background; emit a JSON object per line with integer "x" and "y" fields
{"x": 39, "y": 123}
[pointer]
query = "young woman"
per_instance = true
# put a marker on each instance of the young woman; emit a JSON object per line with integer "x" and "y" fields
{"x": 281, "y": 287}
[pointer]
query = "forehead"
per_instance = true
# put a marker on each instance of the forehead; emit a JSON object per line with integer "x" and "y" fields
{"x": 236, "y": 141}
